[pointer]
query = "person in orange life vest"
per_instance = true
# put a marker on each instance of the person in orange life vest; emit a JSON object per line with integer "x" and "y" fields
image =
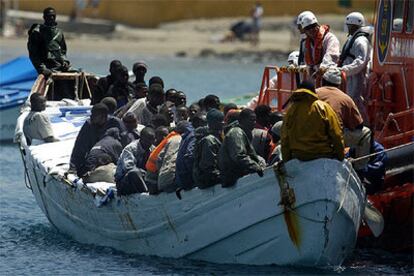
{"x": 321, "y": 46}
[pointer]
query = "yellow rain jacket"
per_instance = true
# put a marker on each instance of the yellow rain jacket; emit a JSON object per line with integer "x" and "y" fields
{"x": 311, "y": 129}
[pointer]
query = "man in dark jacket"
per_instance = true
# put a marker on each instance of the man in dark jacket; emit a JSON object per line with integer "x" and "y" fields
{"x": 90, "y": 133}
{"x": 104, "y": 152}
{"x": 130, "y": 171}
{"x": 104, "y": 83}
{"x": 185, "y": 160}
{"x": 113, "y": 121}
{"x": 206, "y": 172}
{"x": 122, "y": 90}
{"x": 237, "y": 156}
{"x": 47, "y": 46}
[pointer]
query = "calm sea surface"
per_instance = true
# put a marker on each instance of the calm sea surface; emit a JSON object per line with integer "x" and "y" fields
{"x": 30, "y": 245}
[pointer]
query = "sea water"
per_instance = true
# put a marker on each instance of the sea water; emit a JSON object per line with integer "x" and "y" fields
{"x": 30, "y": 245}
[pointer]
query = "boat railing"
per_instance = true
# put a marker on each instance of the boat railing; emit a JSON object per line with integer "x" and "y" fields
{"x": 398, "y": 128}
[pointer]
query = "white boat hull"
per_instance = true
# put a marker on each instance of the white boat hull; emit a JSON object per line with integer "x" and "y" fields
{"x": 8, "y": 117}
{"x": 243, "y": 224}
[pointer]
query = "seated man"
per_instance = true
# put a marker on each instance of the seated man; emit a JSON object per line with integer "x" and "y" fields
{"x": 37, "y": 124}
{"x": 311, "y": 128}
{"x": 185, "y": 159}
{"x": 103, "y": 84}
{"x": 131, "y": 133}
{"x": 276, "y": 154}
{"x": 237, "y": 156}
{"x": 122, "y": 90}
{"x": 261, "y": 139}
{"x": 206, "y": 171}
{"x": 113, "y": 121}
{"x": 104, "y": 153}
{"x": 130, "y": 171}
{"x": 139, "y": 69}
{"x": 356, "y": 135}
{"x": 90, "y": 133}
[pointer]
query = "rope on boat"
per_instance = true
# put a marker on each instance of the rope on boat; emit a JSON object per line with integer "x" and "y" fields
{"x": 26, "y": 173}
{"x": 380, "y": 152}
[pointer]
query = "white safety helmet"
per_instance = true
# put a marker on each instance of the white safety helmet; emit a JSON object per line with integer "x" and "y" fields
{"x": 293, "y": 57}
{"x": 308, "y": 19}
{"x": 355, "y": 18}
{"x": 300, "y": 16}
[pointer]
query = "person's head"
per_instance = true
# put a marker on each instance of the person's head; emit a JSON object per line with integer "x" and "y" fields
{"x": 293, "y": 58}
{"x": 167, "y": 110}
{"x": 181, "y": 113}
{"x": 215, "y": 120}
{"x": 130, "y": 121}
{"x": 247, "y": 120}
{"x": 99, "y": 115}
{"x": 310, "y": 25}
{"x": 140, "y": 69}
{"x": 199, "y": 120}
{"x": 276, "y": 117}
{"x": 183, "y": 127}
{"x": 170, "y": 95}
{"x": 114, "y": 65}
{"x": 159, "y": 120}
{"x": 180, "y": 99}
{"x": 37, "y": 102}
{"x": 122, "y": 75}
{"x": 354, "y": 21}
{"x": 305, "y": 91}
{"x": 110, "y": 103}
{"x": 113, "y": 132}
{"x": 299, "y": 20}
{"x": 141, "y": 90}
{"x": 156, "y": 79}
{"x": 49, "y": 16}
{"x": 147, "y": 138}
{"x": 307, "y": 84}
{"x": 155, "y": 95}
{"x": 193, "y": 109}
{"x": 263, "y": 114}
{"x": 332, "y": 77}
{"x": 275, "y": 132}
{"x": 228, "y": 107}
{"x": 232, "y": 116}
{"x": 160, "y": 133}
{"x": 211, "y": 101}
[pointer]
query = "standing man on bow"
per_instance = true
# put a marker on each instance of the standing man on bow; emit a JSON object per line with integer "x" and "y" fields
{"x": 354, "y": 58}
{"x": 47, "y": 46}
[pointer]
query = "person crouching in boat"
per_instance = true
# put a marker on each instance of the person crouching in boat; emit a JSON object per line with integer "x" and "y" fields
{"x": 130, "y": 172}
{"x": 321, "y": 46}
{"x": 356, "y": 136}
{"x": 237, "y": 156}
{"x": 37, "y": 125}
{"x": 355, "y": 57}
{"x": 47, "y": 46}
{"x": 311, "y": 129}
{"x": 206, "y": 172}
{"x": 101, "y": 159}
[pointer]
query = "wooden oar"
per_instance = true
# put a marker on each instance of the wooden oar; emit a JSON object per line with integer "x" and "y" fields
{"x": 374, "y": 219}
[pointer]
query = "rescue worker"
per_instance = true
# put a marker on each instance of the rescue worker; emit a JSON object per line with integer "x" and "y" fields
{"x": 37, "y": 125}
{"x": 356, "y": 135}
{"x": 311, "y": 128}
{"x": 355, "y": 57}
{"x": 101, "y": 159}
{"x": 237, "y": 156}
{"x": 301, "y": 55}
{"x": 131, "y": 134}
{"x": 101, "y": 88}
{"x": 321, "y": 46}
{"x": 130, "y": 171}
{"x": 139, "y": 69}
{"x": 47, "y": 46}
{"x": 206, "y": 172}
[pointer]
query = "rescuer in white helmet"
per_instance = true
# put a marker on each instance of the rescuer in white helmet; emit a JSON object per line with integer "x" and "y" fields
{"x": 301, "y": 60}
{"x": 321, "y": 46}
{"x": 354, "y": 58}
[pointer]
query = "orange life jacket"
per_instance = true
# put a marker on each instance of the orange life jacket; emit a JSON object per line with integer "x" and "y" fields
{"x": 315, "y": 57}
{"x": 151, "y": 164}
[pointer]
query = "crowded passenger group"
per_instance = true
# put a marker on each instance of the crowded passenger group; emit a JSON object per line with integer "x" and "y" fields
{"x": 145, "y": 136}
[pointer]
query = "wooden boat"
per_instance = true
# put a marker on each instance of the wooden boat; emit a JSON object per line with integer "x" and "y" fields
{"x": 316, "y": 224}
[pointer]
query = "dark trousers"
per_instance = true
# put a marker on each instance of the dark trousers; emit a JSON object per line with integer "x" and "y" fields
{"x": 133, "y": 182}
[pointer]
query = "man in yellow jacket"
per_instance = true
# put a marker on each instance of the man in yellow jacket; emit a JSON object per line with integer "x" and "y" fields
{"x": 311, "y": 128}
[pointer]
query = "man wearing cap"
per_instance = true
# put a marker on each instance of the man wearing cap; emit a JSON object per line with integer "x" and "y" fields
{"x": 206, "y": 172}
{"x": 140, "y": 69}
{"x": 355, "y": 57}
{"x": 311, "y": 129}
{"x": 356, "y": 135}
{"x": 321, "y": 46}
